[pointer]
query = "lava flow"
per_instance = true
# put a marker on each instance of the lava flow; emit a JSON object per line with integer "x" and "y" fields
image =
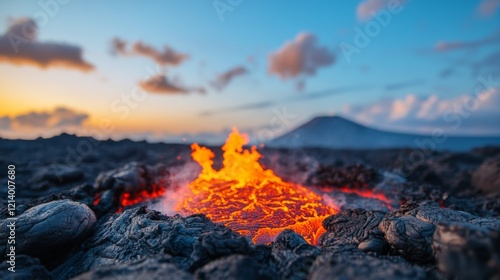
{"x": 250, "y": 199}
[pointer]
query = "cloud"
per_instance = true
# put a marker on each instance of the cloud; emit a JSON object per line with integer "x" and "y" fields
{"x": 478, "y": 66}
{"x": 367, "y": 9}
{"x": 19, "y": 46}
{"x": 118, "y": 46}
{"x": 167, "y": 56}
{"x": 160, "y": 84}
{"x": 57, "y": 118}
{"x": 299, "y": 57}
{"x": 488, "y": 8}
{"x": 445, "y": 46}
{"x": 225, "y": 78}
{"x": 476, "y": 114}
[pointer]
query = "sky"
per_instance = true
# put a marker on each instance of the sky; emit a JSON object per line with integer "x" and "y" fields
{"x": 191, "y": 70}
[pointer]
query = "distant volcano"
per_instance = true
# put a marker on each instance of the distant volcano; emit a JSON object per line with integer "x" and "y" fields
{"x": 339, "y": 133}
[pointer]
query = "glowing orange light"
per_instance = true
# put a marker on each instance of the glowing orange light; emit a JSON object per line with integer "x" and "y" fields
{"x": 250, "y": 199}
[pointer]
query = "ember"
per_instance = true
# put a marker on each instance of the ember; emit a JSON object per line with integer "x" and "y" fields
{"x": 128, "y": 199}
{"x": 250, "y": 199}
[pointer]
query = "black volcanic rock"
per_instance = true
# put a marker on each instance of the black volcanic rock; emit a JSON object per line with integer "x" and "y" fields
{"x": 231, "y": 267}
{"x": 354, "y": 227}
{"x": 154, "y": 268}
{"x": 137, "y": 233}
{"x": 292, "y": 255}
{"x": 26, "y": 268}
{"x": 465, "y": 251}
{"x": 360, "y": 266}
{"x": 409, "y": 237}
{"x": 50, "y": 229}
{"x": 59, "y": 174}
{"x": 354, "y": 176}
{"x": 216, "y": 244}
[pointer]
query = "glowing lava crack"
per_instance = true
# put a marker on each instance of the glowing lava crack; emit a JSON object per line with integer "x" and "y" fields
{"x": 250, "y": 199}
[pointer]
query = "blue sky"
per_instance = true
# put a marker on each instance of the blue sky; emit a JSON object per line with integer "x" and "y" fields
{"x": 401, "y": 60}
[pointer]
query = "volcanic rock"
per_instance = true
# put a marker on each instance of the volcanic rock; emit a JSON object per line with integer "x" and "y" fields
{"x": 409, "y": 237}
{"x": 465, "y": 251}
{"x": 293, "y": 255}
{"x": 288, "y": 240}
{"x": 351, "y": 265}
{"x": 432, "y": 213}
{"x": 137, "y": 233}
{"x": 354, "y": 176}
{"x": 231, "y": 267}
{"x": 26, "y": 268}
{"x": 59, "y": 174}
{"x": 50, "y": 229}
{"x": 132, "y": 179}
{"x": 486, "y": 177}
{"x": 157, "y": 267}
{"x": 355, "y": 227}
{"x": 219, "y": 243}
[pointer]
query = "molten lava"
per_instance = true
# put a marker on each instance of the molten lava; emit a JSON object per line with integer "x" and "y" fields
{"x": 128, "y": 199}
{"x": 250, "y": 199}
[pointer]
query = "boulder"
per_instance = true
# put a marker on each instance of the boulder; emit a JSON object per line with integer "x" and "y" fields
{"x": 50, "y": 229}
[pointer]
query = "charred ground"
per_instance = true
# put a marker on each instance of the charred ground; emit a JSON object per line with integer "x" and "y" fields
{"x": 442, "y": 221}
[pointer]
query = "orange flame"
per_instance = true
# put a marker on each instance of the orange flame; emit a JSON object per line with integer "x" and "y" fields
{"x": 250, "y": 199}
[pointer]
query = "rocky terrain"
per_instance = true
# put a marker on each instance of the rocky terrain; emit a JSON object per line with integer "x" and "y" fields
{"x": 77, "y": 217}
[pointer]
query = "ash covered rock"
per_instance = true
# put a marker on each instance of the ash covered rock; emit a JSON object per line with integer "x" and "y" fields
{"x": 356, "y": 227}
{"x": 465, "y": 251}
{"x": 50, "y": 229}
{"x": 156, "y": 267}
{"x": 357, "y": 265}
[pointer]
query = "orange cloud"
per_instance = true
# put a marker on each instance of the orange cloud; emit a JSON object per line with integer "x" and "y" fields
{"x": 167, "y": 56}
{"x": 160, "y": 84}
{"x": 19, "y": 46}
{"x": 225, "y": 78}
{"x": 59, "y": 117}
{"x": 301, "y": 56}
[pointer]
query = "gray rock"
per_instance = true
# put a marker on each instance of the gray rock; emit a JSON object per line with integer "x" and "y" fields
{"x": 355, "y": 227}
{"x": 137, "y": 233}
{"x": 409, "y": 237}
{"x": 154, "y": 268}
{"x": 216, "y": 244}
{"x": 486, "y": 177}
{"x": 231, "y": 267}
{"x": 50, "y": 228}
{"x": 59, "y": 174}
{"x": 465, "y": 251}
{"x": 293, "y": 255}
{"x": 129, "y": 178}
{"x": 288, "y": 240}
{"x": 351, "y": 265}
{"x": 436, "y": 215}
